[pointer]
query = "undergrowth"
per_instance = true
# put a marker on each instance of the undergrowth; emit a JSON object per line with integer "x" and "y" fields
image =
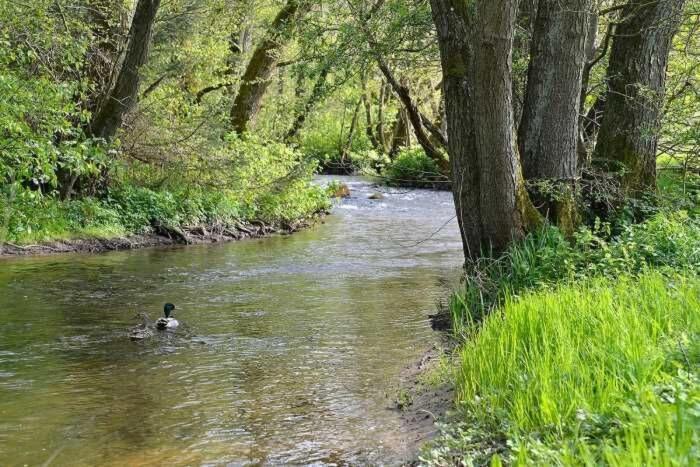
{"x": 582, "y": 351}
{"x": 583, "y": 374}
{"x": 413, "y": 168}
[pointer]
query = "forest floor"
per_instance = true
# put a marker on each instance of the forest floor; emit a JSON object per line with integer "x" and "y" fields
{"x": 159, "y": 238}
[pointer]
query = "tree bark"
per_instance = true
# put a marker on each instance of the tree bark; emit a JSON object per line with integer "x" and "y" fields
{"x": 636, "y": 78}
{"x": 258, "y": 74}
{"x": 548, "y": 133}
{"x": 502, "y": 186}
{"x": 122, "y": 97}
{"x": 454, "y": 24}
{"x": 476, "y": 41}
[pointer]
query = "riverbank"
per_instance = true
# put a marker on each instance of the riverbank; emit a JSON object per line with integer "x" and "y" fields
{"x": 162, "y": 237}
{"x": 582, "y": 352}
{"x": 129, "y": 216}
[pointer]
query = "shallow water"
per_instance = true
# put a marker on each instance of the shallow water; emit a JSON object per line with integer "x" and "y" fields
{"x": 289, "y": 351}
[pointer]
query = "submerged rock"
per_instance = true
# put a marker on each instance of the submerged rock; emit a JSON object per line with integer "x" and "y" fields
{"x": 376, "y": 196}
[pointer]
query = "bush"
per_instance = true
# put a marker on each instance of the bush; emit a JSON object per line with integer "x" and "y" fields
{"x": 412, "y": 167}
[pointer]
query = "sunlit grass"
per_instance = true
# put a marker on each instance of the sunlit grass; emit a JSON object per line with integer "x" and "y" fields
{"x": 590, "y": 373}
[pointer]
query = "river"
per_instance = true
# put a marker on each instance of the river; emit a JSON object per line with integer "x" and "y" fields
{"x": 289, "y": 351}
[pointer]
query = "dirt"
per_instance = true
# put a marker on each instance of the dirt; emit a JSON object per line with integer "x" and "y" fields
{"x": 422, "y": 405}
{"x": 161, "y": 236}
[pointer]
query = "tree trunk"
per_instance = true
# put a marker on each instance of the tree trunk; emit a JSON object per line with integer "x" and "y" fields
{"x": 454, "y": 24}
{"x": 636, "y": 86}
{"x": 347, "y": 147}
{"x": 400, "y": 134}
{"x": 317, "y": 94}
{"x": 492, "y": 205}
{"x": 122, "y": 97}
{"x": 258, "y": 74}
{"x": 381, "y": 132}
{"x": 369, "y": 126}
{"x": 583, "y": 145}
{"x": 502, "y": 187}
{"x": 548, "y": 133}
{"x": 414, "y": 116}
{"x": 109, "y": 26}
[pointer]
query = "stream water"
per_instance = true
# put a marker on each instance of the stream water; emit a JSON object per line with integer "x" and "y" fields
{"x": 289, "y": 351}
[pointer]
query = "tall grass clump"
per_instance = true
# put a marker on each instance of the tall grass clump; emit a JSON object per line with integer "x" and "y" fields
{"x": 667, "y": 241}
{"x": 584, "y": 374}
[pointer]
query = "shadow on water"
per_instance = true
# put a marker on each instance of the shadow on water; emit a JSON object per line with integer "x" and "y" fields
{"x": 289, "y": 352}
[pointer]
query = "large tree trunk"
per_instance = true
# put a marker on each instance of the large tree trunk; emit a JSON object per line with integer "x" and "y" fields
{"x": 548, "y": 133}
{"x": 492, "y": 205}
{"x": 122, "y": 97}
{"x": 256, "y": 78}
{"x": 548, "y": 130}
{"x": 636, "y": 86}
{"x": 453, "y": 24}
{"x": 503, "y": 196}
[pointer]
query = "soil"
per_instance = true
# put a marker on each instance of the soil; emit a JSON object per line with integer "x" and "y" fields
{"x": 423, "y": 405}
{"x": 160, "y": 236}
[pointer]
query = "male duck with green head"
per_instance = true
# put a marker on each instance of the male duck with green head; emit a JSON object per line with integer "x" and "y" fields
{"x": 165, "y": 323}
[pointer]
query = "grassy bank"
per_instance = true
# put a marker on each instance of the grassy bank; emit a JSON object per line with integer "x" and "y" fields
{"x": 581, "y": 351}
{"x": 596, "y": 372}
{"x": 129, "y": 210}
{"x": 240, "y": 182}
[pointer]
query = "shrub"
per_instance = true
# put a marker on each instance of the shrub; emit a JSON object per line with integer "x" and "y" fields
{"x": 412, "y": 167}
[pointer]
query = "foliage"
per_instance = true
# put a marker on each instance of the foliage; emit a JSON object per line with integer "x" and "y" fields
{"x": 412, "y": 167}
{"x": 595, "y": 372}
{"x": 134, "y": 210}
{"x": 546, "y": 258}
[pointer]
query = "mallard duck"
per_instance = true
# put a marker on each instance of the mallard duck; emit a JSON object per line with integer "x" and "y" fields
{"x": 167, "y": 322}
{"x": 142, "y": 331}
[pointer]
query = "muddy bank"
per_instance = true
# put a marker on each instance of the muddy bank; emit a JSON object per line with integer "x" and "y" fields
{"x": 422, "y": 404}
{"x": 161, "y": 236}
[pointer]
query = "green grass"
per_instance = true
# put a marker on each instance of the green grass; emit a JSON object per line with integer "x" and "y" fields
{"x": 666, "y": 241}
{"x": 583, "y": 351}
{"x": 127, "y": 209}
{"x": 596, "y": 372}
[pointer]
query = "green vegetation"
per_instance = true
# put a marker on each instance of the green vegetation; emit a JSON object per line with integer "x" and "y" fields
{"x": 411, "y": 167}
{"x": 545, "y": 259}
{"x": 596, "y": 372}
{"x": 124, "y": 117}
{"x": 583, "y": 350}
{"x": 267, "y": 183}
{"x": 136, "y": 210}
